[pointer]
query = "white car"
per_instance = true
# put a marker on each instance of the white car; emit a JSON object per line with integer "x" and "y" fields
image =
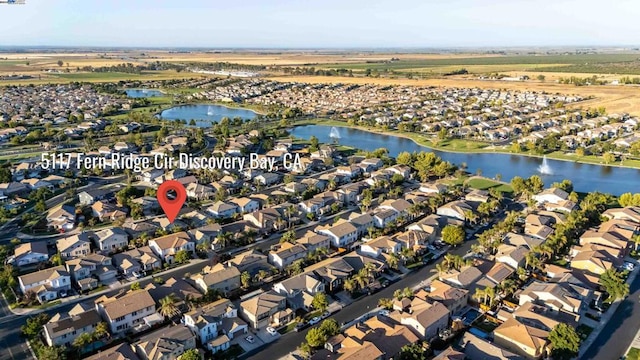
{"x": 272, "y": 331}
{"x": 137, "y": 275}
{"x": 250, "y": 339}
{"x": 314, "y": 321}
{"x": 383, "y": 312}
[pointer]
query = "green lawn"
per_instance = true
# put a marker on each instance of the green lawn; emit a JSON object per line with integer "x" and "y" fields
{"x": 486, "y": 184}
{"x": 288, "y": 328}
{"x": 633, "y": 354}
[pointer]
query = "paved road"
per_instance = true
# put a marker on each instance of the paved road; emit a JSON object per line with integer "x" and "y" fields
{"x": 619, "y": 332}
{"x": 290, "y": 341}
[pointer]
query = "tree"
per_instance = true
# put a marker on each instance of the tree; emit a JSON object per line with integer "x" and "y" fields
{"x": 404, "y": 158}
{"x": 608, "y": 158}
{"x": 289, "y": 236}
{"x": 453, "y": 235}
{"x": 305, "y": 349}
{"x": 413, "y": 351}
{"x": 82, "y": 340}
{"x": 168, "y": 307}
{"x": 245, "y": 279}
{"x": 135, "y": 286}
{"x": 350, "y": 285}
{"x": 51, "y": 353}
{"x": 313, "y": 147}
{"x": 385, "y": 303}
{"x": 34, "y": 325}
{"x": 392, "y": 261}
{"x": 101, "y": 330}
{"x": 316, "y": 337}
{"x": 191, "y": 354}
{"x": 57, "y": 259}
{"x": 330, "y": 327}
{"x": 182, "y": 256}
{"x": 565, "y": 342}
{"x": 540, "y": 78}
{"x": 40, "y": 206}
{"x": 60, "y": 63}
{"x": 320, "y": 301}
{"x": 614, "y": 284}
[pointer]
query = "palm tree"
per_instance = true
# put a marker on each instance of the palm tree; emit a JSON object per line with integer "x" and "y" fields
{"x": 245, "y": 279}
{"x": 168, "y": 307}
{"x": 385, "y": 303}
{"x": 479, "y": 294}
{"x": 82, "y": 340}
{"x": 471, "y": 216}
{"x": 441, "y": 268}
{"x": 223, "y": 239}
{"x": 532, "y": 261}
{"x": 261, "y": 275}
{"x": 350, "y": 285}
{"x": 101, "y": 331}
{"x": 392, "y": 261}
{"x": 508, "y": 287}
{"x": 361, "y": 279}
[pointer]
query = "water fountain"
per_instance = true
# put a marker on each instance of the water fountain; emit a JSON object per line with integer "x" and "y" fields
{"x": 545, "y": 168}
{"x": 210, "y": 111}
{"x": 334, "y": 134}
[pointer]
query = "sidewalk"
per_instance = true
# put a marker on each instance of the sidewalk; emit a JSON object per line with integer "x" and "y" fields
{"x": 605, "y": 319}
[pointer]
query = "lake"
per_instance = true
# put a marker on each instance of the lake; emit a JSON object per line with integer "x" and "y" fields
{"x": 585, "y": 177}
{"x": 204, "y": 114}
{"x": 143, "y": 93}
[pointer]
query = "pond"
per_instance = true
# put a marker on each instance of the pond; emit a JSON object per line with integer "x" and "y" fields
{"x": 585, "y": 177}
{"x": 205, "y": 114}
{"x": 143, "y": 93}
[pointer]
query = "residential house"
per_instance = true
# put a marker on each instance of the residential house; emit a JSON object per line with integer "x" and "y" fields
{"x": 551, "y": 195}
{"x": 215, "y": 324}
{"x": 74, "y": 246}
{"x": 557, "y": 296}
{"x": 47, "y": 284}
{"x": 455, "y": 209}
{"x": 251, "y": 261}
{"x": 63, "y": 328}
{"x": 384, "y": 217}
{"x": 426, "y": 319}
{"x": 631, "y": 213}
{"x": 224, "y": 278}
{"x": 110, "y": 240}
{"x": 245, "y": 204}
{"x": 521, "y": 339}
{"x": 299, "y": 290}
{"x": 286, "y": 253}
{"x": 223, "y": 210}
{"x": 166, "y": 343}
{"x": 82, "y": 270}
{"x": 342, "y": 234}
{"x": 89, "y": 197}
{"x": 267, "y": 220}
{"x": 454, "y": 299}
{"x": 167, "y": 246}
{"x": 136, "y": 261}
{"x": 107, "y": 211}
{"x": 513, "y": 256}
{"x": 118, "y": 352}
{"x": 314, "y": 241}
{"x": 381, "y": 245}
{"x": 126, "y": 311}
{"x": 63, "y": 218}
{"x": 362, "y": 222}
{"x": 206, "y": 234}
{"x": 475, "y": 347}
{"x": 266, "y": 309}
{"x": 29, "y": 254}
{"x": 182, "y": 291}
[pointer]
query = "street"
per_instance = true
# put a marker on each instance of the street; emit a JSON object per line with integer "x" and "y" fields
{"x": 619, "y": 332}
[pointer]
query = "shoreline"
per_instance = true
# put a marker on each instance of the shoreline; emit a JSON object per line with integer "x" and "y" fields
{"x": 476, "y": 151}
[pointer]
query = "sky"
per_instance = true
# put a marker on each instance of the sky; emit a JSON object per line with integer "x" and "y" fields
{"x": 320, "y": 24}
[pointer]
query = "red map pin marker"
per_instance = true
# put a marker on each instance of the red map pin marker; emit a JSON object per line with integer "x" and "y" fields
{"x": 171, "y": 207}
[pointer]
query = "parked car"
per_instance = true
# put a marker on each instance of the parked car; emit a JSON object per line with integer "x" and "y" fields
{"x": 250, "y": 339}
{"x": 272, "y": 331}
{"x": 325, "y": 315}
{"x": 314, "y": 321}
{"x": 137, "y": 275}
{"x": 301, "y": 326}
{"x": 383, "y": 312}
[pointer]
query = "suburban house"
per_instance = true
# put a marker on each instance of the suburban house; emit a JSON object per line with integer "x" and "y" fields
{"x": 557, "y": 296}
{"x": 104, "y": 211}
{"x": 82, "y": 270}
{"x": 221, "y": 277}
{"x": 216, "y": 324}
{"x": 424, "y": 318}
{"x": 138, "y": 260}
{"x": 29, "y": 254}
{"x": 342, "y": 234}
{"x": 63, "y": 328}
{"x": 126, "y": 310}
{"x": 362, "y": 222}
{"x": 166, "y": 247}
{"x": 521, "y": 339}
{"x": 384, "y": 217}
{"x": 110, "y": 240}
{"x": 513, "y": 256}
{"x": 286, "y": 253}
{"x": 63, "y": 218}
{"x": 206, "y": 234}
{"x": 299, "y": 290}
{"x": 383, "y": 244}
{"x": 223, "y": 210}
{"x": 452, "y": 298}
{"x": 74, "y": 246}
{"x": 165, "y": 343}
{"x": 266, "y": 309}
{"x": 313, "y": 241}
{"x": 455, "y": 209}
{"x": 90, "y": 196}
{"x": 118, "y": 352}
{"x": 47, "y": 284}
{"x": 176, "y": 287}
{"x": 551, "y": 195}
{"x": 267, "y": 220}
{"x": 246, "y": 205}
